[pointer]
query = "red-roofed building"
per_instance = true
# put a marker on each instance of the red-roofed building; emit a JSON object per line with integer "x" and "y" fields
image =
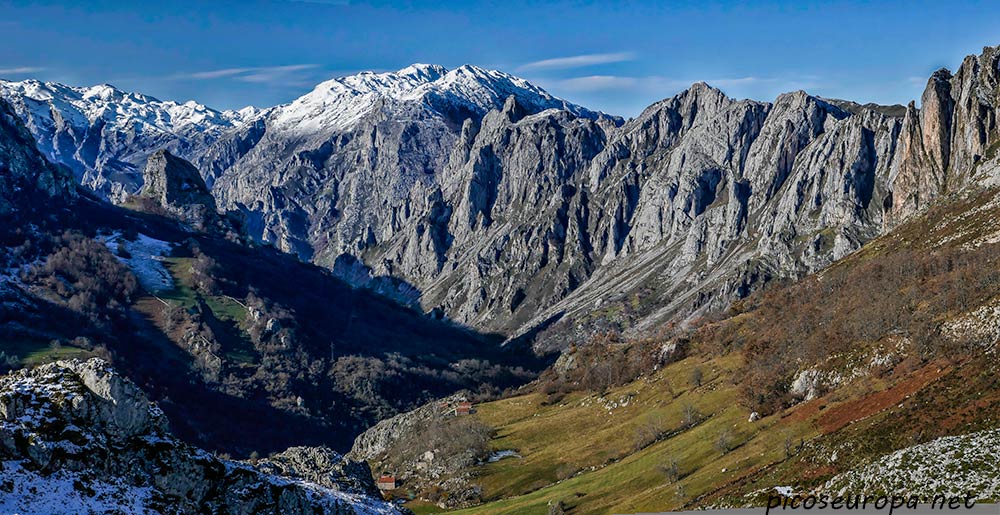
{"x": 386, "y": 482}
{"x": 463, "y": 408}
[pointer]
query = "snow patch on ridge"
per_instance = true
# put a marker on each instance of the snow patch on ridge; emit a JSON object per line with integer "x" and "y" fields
{"x": 68, "y": 493}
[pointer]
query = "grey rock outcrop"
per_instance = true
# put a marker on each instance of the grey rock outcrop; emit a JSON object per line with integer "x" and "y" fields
{"x": 77, "y": 435}
{"x": 378, "y": 439}
{"x": 177, "y": 187}
{"x": 431, "y": 448}
{"x": 321, "y": 466}
{"x": 174, "y": 182}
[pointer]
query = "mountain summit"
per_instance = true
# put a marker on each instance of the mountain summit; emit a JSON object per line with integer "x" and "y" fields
{"x": 467, "y": 91}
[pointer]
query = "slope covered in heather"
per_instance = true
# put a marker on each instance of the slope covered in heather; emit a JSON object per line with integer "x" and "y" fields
{"x": 811, "y": 385}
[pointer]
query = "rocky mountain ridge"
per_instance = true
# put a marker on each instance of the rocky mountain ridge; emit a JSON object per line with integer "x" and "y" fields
{"x": 513, "y": 212}
{"x": 104, "y": 134}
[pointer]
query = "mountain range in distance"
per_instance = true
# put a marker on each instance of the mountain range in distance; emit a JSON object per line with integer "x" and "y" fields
{"x": 452, "y": 180}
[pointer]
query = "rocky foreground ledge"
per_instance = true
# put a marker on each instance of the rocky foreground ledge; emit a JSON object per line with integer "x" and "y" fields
{"x": 77, "y": 437}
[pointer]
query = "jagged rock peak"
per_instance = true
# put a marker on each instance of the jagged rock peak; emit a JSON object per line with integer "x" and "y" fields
{"x": 702, "y": 89}
{"x": 513, "y": 109}
{"x": 176, "y": 188}
{"x": 941, "y": 74}
{"x": 174, "y": 182}
{"x": 700, "y": 98}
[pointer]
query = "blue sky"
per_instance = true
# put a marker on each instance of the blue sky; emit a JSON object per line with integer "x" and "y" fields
{"x": 614, "y": 57}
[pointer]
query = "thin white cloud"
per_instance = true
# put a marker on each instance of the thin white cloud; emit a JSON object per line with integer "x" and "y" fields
{"x": 249, "y": 74}
{"x": 578, "y": 61}
{"x": 213, "y": 74}
{"x": 737, "y": 81}
{"x": 274, "y": 73}
{"x": 598, "y": 83}
{"x": 20, "y": 70}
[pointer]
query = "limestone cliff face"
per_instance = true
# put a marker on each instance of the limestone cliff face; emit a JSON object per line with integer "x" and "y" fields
{"x": 723, "y": 200}
{"x": 936, "y": 106}
{"x": 951, "y": 137}
{"x": 479, "y": 196}
{"x": 518, "y": 210}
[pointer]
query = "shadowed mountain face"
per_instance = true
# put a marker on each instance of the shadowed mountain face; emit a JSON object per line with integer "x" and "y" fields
{"x": 26, "y": 176}
{"x": 516, "y": 213}
{"x": 246, "y": 348}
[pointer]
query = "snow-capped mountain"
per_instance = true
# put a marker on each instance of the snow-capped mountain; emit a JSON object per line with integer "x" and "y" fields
{"x": 467, "y": 91}
{"x": 104, "y": 134}
{"x": 371, "y": 139}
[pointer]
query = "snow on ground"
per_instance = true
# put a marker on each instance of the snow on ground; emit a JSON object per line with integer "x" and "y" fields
{"x": 785, "y": 491}
{"x": 952, "y": 466}
{"x": 339, "y": 103}
{"x": 362, "y": 505}
{"x": 25, "y": 491}
{"x": 74, "y": 493}
{"x": 67, "y": 493}
{"x": 145, "y": 260}
{"x": 328, "y": 498}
